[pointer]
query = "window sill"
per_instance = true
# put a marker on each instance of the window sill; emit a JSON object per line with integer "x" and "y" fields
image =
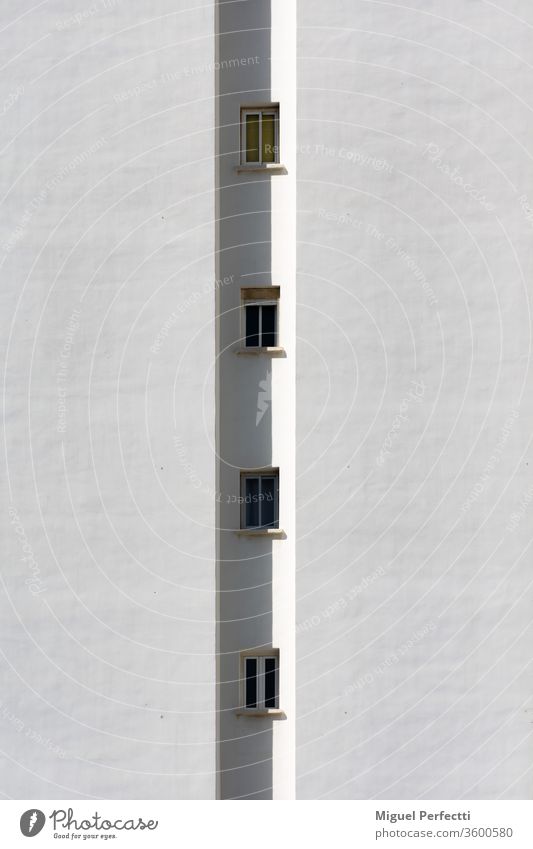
{"x": 269, "y": 167}
{"x": 273, "y": 713}
{"x": 273, "y": 351}
{"x": 275, "y": 533}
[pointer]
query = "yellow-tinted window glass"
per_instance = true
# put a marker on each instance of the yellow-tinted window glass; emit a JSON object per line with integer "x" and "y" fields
{"x": 252, "y": 138}
{"x": 269, "y": 138}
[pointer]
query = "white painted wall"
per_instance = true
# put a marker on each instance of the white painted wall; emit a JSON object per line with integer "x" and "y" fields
{"x": 413, "y": 488}
{"x": 414, "y": 596}
{"x": 108, "y": 666}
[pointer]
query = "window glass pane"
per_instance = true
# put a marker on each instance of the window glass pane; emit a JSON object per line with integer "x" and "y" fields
{"x": 251, "y": 499}
{"x": 267, "y": 497}
{"x": 268, "y": 325}
{"x": 270, "y": 682}
{"x": 269, "y": 138}
{"x": 252, "y": 138}
{"x": 252, "y": 326}
{"x": 251, "y": 682}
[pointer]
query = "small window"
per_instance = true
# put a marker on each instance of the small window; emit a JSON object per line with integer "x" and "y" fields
{"x": 260, "y": 328}
{"x": 261, "y": 325}
{"x": 261, "y": 681}
{"x": 260, "y": 135}
{"x": 259, "y": 499}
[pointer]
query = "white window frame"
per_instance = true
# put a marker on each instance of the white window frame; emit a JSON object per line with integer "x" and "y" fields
{"x": 260, "y": 658}
{"x": 248, "y": 475}
{"x": 260, "y": 110}
{"x": 260, "y": 303}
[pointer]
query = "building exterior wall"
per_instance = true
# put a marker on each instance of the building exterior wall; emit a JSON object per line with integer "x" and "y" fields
{"x": 256, "y": 247}
{"x": 107, "y": 250}
{"x": 398, "y": 415}
{"x": 413, "y": 401}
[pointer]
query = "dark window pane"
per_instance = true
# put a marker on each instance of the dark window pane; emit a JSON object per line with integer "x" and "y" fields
{"x": 251, "y": 502}
{"x": 270, "y": 682}
{"x": 268, "y": 326}
{"x": 269, "y": 138}
{"x": 252, "y": 326}
{"x": 252, "y": 138}
{"x": 251, "y": 682}
{"x": 267, "y": 498}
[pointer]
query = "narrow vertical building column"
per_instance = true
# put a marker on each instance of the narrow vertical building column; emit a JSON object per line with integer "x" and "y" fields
{"x": 256, "y": 230}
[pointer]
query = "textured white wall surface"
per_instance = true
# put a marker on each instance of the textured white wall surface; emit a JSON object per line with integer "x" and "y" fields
{"x": 405, "y": 383}
{"x": 107, "y": 253}
{"x": 414, "y": 583}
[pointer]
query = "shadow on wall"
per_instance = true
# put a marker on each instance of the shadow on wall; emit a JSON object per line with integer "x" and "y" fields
{"x": 245, "y": 425}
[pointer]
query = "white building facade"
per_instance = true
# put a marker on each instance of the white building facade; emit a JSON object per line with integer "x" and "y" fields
{"x": 267, "y": 417}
